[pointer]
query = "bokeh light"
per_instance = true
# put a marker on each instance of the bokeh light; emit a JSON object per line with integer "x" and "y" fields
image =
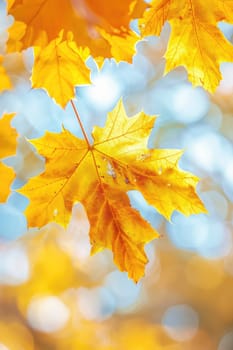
{"x": 226, "y": 342}
{"x": 47, "y": 314}
{"x": 180, "y": 322}
{"x": 124, "y": 291}
{"x": 15, "y": 265}
{"x": 188, "y": 104}
{"x": 96, "y": 304}
{"x": 3, "y": 347}
{"x": 8, "y": 216}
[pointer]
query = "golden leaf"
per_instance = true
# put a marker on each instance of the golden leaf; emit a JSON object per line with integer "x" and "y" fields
{"x": 100, "y": 26}
{"x": 100, "y": 175}
{"x": 195, "y": 42}
{"x": 81, "y": 17}
{"x": 7, "y": 148}
{"x": 59, "y": 67}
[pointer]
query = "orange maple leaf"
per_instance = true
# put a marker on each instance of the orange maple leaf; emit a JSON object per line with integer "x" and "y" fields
{"x": 195, "y": 42}
{"x": 7, "y": 148}
{"x": 101, "y": 26}
{"x": 99, "y": 175}
{"x": 33, "y": 25}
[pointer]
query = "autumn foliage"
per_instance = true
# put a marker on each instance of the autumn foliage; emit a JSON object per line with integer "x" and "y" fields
{"x": 118, "y": 161}
{"x": 195, "y": 42}
{"x": 99, "y": 172}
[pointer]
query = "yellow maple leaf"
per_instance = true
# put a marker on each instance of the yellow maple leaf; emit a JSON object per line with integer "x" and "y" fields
{"x": 7, "y": 148}
{"x": 59, "y": 67}
{"x": 122, "y": 47}
{"x": 99, "y": 175}
{"x": 195, "y": 42}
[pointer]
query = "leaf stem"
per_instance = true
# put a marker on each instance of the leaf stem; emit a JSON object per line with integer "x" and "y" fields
{"x": 80, "y": 124}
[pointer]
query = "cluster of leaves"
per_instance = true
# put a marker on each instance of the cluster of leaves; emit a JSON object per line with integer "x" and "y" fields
{"x": 61, "y": 47}
{"x": 102, "y": 28}
{"x": 100, "y": 174}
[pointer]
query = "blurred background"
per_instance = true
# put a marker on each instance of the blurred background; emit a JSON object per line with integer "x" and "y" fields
{"x": 53, "y": 294}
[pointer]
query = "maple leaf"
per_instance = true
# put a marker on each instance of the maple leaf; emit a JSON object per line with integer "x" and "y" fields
{"x": 100, "y": 175}
{"x": 195, "y": 42}
{"x": 33, "y": 26}
{"x": 7, "y": 148}
{"x": 59, "y": 67}
{"x": 100, "y": 26}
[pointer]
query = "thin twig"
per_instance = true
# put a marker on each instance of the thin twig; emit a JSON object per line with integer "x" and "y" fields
{"x": 80, "y": 124}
